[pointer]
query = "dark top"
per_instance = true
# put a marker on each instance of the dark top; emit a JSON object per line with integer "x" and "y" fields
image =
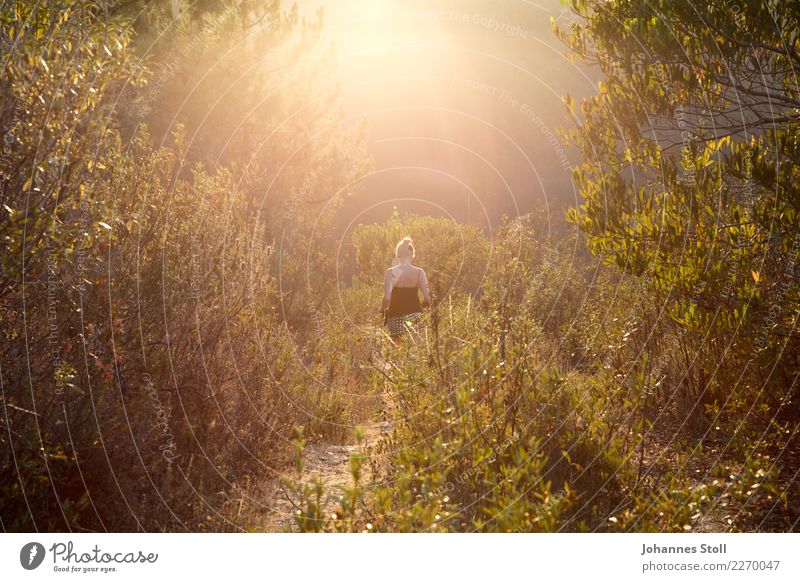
{"x": 405, "y": 300}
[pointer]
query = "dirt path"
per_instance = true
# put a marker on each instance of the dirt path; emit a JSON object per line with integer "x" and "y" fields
{"x": 326, "y": 462}
{"x": 330, "y": 464}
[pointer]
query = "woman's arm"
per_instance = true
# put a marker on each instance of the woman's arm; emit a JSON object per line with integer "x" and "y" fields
{"x": 423, "y": 285}
{"x": 387, "y": 290}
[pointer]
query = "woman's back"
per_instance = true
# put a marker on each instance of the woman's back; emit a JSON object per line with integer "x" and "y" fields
{"x": 405, "y": 276}
{"x": 404, "y": 297}
{"x": 402, "y": 284}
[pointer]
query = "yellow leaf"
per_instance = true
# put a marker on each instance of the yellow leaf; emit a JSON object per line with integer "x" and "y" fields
{"x": 756, "y": 276}
{"x": 27, "y": 185}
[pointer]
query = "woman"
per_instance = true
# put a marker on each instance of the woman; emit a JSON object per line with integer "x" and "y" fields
{"x": 400, "y": 296}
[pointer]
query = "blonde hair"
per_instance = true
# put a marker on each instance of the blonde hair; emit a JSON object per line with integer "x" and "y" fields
{"x": 404, "y": 249}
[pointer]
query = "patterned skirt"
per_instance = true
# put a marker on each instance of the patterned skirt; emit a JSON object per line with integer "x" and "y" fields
{"x": 399, "y": 324}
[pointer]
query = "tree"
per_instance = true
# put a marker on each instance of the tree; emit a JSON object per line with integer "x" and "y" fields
{"x": 690, "y": 169}
{"x": 139, "y": 321}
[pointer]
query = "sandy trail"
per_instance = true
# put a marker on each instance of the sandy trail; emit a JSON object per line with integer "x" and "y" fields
{"x": 330, "y": 464}
{"x": 326, "y": 462}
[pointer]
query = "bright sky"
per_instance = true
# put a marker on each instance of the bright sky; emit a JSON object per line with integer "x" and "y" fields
{"x": 463, "y": 99}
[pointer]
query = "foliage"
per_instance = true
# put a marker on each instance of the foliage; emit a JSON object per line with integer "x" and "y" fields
{"x": 176, "y": 324}
{"x": 689, "y": 175}
{"x": 503, "y": 422}
{"x": 146, "y": 362}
